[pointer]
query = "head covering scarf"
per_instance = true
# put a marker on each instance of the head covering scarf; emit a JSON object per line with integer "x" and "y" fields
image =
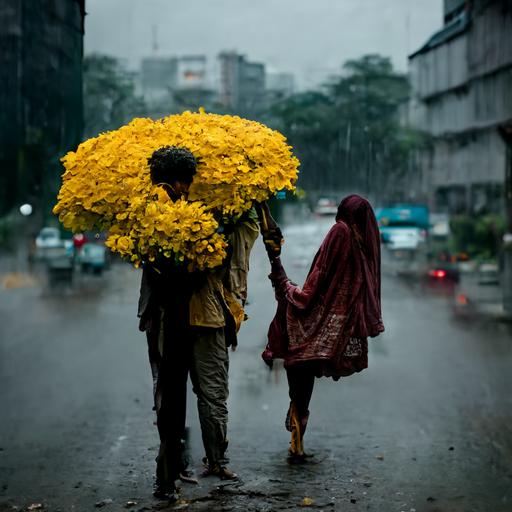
{"x": 340, "y": 301}
{"x": 357, "y": 213}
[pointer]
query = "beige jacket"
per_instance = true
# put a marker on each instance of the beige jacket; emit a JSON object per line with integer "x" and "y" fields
{"x": 225, "y": 290}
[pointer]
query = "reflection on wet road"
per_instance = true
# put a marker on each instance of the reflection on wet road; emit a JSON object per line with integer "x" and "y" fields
{"x": 426, "y": 427}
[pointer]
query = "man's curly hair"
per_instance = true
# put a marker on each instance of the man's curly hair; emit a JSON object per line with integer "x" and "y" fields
{"x": 169, "y": 164}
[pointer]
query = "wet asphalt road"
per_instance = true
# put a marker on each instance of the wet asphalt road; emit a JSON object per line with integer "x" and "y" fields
{"x": 428, "y": 427}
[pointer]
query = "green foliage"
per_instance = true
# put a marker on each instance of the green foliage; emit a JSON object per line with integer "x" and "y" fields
{"x": 370, "y": 91}
{"x": 480, "y": 237}
{"x": 109, "y": 95}
{"x": 350, "y": 135}
{"x": 7, "y": 232}
{"x": 302, "y": 118}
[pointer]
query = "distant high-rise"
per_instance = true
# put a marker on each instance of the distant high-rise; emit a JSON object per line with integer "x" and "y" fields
{"x": 172, "y": 84}
{"x": 242, "y": 83}
{"x": 192, "y": 72}
{"x": 193, "y": 88}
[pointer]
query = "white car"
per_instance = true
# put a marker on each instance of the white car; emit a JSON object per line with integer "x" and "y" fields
{"x": 326, "y": 206}
{"x": 404, "y": 239}
{"x": 47, "y": 238}
{"x": 49, "y": 244}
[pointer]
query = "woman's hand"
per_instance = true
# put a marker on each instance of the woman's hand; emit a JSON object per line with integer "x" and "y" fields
{"x": 273, "y": 240}
{"x": 279, "y": 278}
{"x": 272, "y": 235}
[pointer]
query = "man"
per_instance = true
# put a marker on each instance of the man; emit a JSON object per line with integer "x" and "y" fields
{"x": 190, "y": 319}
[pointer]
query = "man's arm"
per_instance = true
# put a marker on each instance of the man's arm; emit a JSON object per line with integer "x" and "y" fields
{"x": 242, "y": 241}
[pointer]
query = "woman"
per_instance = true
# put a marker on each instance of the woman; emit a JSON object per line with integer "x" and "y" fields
{"x": 321, "y": 329}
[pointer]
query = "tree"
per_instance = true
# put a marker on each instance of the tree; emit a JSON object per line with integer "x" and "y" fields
{"x": 350, "y": 136}
{"x": 109, "y": 95}
{"x": 367, "y": 98}
{"x": 302, "y": 117}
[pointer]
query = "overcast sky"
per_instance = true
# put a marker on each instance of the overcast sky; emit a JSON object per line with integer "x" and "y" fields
{"x": 310, "y": 38}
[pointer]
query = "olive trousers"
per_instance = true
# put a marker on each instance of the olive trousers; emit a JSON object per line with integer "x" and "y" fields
{"x": 175, "y": 351}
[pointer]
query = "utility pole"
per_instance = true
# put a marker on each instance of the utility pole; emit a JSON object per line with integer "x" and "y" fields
{"x": 154, "y": 33}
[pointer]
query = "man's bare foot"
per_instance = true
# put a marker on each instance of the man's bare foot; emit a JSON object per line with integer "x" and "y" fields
{"x": 188, "y": 477}
{"x": 221, "y": 471}
{"x": 165, "y": 493}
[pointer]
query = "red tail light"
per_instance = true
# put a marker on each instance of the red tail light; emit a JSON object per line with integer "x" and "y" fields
{"x": 439, "y": 274}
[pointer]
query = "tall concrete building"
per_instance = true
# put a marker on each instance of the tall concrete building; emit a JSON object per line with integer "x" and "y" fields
{"x": 242, "y": 83}
{"x": 41, "y": 50}
{"x": 193, "y": 87}
{"x": 462, "y": 96}
{"x": 174, "y": 84}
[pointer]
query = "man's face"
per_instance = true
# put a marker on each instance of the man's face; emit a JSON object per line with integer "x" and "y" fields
{"x": 176, "y": 189}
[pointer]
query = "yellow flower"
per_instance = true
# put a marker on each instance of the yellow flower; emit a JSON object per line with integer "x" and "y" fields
{"x": 106, "y": 184}
{"x": 124, "y": 244}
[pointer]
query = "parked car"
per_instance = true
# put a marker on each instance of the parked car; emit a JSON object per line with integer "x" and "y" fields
{"x": 443, "y": 269}
{"x": 488, "y": 274}
{"x": 403, "y": 228}
{"x": 49, "y": 244}
{"x": 48, "y": 238}
{"x": 326, "y": 206}
{"x": 444, "y": 273}
{"x": 479, "y": 292}
{"x": 93, "y": 257}
{"x": 439, "y": 226}
{"x": 59, "y": 267}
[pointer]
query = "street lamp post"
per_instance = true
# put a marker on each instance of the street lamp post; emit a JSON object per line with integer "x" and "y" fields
{"x": 21, "y": 244}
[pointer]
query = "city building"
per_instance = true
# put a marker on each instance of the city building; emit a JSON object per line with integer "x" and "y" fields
{"x": 242, "y": 83}
{"x": 461, "y": 95}
{"x": 41, "y": 51}
{"x": 158, "y": 75}
{"x": 193, "y": 88}
{"x": 174, "y": 84}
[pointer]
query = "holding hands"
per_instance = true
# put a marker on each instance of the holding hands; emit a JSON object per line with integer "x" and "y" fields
{"x": 272, "y": 235}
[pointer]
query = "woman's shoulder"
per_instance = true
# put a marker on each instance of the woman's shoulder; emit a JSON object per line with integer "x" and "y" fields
{"x": 340, "y": 228}
{"x": 338, "y": 234}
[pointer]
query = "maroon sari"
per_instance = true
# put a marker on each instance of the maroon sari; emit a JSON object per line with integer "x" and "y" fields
{"x": 328, "y": 320}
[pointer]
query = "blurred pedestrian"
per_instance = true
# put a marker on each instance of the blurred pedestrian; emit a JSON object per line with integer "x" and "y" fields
{"x": 321, "y": 329}
{"x": 190, "y": 319}
{"x": 79, "y": 240}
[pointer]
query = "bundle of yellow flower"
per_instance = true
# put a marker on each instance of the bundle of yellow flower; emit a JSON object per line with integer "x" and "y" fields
{"x": 106, "y": 185}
